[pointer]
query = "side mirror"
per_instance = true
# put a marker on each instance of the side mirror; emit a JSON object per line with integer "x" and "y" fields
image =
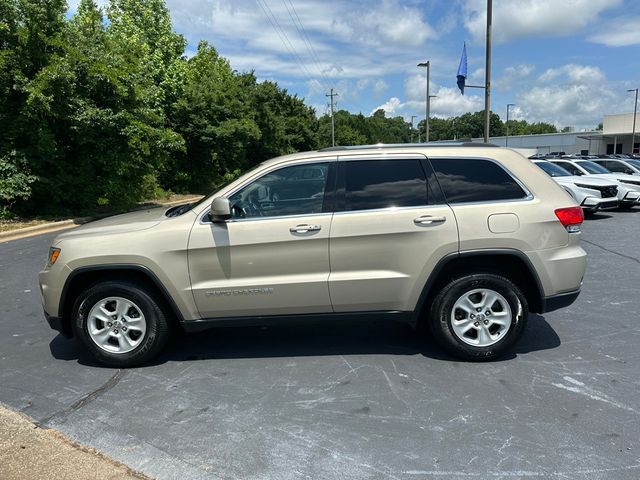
{"x": 220, "y": 209}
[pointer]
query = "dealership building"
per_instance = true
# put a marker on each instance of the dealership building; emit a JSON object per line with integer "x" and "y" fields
{"x": 615, "y": 137}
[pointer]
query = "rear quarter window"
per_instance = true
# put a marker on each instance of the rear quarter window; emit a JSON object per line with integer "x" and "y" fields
{"x": 475, "y": 180}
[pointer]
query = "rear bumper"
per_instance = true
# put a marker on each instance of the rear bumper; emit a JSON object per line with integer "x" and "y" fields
{"x": 556, "y": 302}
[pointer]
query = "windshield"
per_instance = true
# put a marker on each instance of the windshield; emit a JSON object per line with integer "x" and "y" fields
{"x": 635, "y": 163}
{"x": 593, "y": 167}
{"x": 553, "y": 170}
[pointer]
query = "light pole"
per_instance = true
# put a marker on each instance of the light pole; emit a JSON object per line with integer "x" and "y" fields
{"x": 426, "y": 123}
{"x": 412, "y": 117}
{"x": 429, "y": 110}
{"x": 635, "y": 110}
{"x": 506, "y": 140}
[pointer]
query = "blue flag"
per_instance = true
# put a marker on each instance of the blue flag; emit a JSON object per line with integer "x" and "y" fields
{"x": 462, "y": 69}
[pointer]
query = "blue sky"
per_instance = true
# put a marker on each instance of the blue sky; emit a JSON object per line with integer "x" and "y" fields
{"x": 568, "y": 62}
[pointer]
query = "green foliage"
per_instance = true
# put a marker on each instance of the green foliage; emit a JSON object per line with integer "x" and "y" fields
{"x": 522, "y": 127}
{"x": 356, "y": 129}
{"x": 15, "y": 182}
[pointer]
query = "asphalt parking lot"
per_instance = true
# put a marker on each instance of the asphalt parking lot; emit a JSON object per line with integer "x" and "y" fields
{"x": 350, "y": 401}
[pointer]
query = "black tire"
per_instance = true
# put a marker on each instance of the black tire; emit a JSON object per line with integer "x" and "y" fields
{"x": 440, "y": 324}
{"x": 157, "y": 325}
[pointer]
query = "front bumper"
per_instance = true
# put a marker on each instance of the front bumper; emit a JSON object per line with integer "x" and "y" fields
{"x": 631, "y": 198}
{"x": 556, "y": 302}
{"x": 593, "y": 204}
{"x": 56, "y": 324}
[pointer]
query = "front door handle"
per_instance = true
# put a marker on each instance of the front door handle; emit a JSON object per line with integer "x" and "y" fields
{"x": 429, "y": 220}
{"x": 304, "y": 228}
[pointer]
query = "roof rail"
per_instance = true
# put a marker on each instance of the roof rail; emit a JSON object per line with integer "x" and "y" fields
{"x": 406, "y": 145}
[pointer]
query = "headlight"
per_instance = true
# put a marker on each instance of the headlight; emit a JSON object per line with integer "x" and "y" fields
{"x": 54, "y": 253}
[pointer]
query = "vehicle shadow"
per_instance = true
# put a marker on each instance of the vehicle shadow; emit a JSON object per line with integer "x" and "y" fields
{"x": 318, "y": 338}
{"x": 597, "y": 216}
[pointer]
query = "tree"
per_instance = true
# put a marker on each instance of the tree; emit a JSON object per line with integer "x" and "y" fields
{"x": 15, "y": 182}
{"x": 286, "y": 124}
{"x": 214, "y": 116}
{"x": 96, "y": 116}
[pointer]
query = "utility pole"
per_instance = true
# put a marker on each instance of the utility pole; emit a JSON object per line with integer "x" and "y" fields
{"x": 426, "y": 64}
{"x": 487, "y": 81}
{"x": 635, "y": 112}
{"x": 412, "y": 117}
{"x": 333, "y": 125}
{"x": 506, "y": 140}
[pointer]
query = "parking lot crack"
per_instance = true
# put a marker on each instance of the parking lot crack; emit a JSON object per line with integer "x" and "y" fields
{"x": 628, "y": 257}
{"x": 61, "y": 415}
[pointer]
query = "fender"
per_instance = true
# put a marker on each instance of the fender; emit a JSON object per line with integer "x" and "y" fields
{"x": 115, "y": 267}
{"x": 448, "y": 259}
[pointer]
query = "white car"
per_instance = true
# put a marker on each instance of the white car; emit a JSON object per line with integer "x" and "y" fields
{"x": 592, "y": 194}
{"x": 618, "y": 165}
{"x": 628, "y": 186}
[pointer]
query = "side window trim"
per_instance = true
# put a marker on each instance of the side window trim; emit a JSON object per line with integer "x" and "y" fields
{"x": 529, "y": 196}
{"x": 435, "y": 194}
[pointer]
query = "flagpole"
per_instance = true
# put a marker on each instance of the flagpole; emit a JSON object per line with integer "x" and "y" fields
{"x": 487, "y": 83}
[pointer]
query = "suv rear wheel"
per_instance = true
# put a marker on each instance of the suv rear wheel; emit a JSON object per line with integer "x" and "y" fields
{"x": 121, "y": 324}
{"x": 479, "y": 316}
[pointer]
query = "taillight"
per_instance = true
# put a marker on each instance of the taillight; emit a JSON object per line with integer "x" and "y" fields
{"x": 571, "y": 218}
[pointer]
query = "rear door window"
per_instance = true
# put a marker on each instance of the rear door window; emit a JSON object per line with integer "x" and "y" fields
{"x": 375, "y": 184}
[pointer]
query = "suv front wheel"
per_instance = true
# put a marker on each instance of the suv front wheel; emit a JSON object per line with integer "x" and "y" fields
{"x": 477, "y": 317}
{"x": 121, "y": 324}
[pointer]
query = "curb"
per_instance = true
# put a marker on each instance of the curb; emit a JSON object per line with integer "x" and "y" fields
{"x": 50, "y": 227}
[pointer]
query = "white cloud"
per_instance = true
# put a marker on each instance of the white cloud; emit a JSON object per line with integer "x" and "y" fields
{"x": 384, "y": 22}
{"x": 513, "y": 76}
{"x": 619, "y": 32}
{"x": 477, "y": 75}
{"x": 450, "y": 102}
{"x": 391, "y": 107}
{"x": 346, "y": 41}
{"x": 580, "y": 97}
{"x": 524, "y": 18}
{"x": 574, "y": 74}
{"x": 362, "y": 83}
{"x": 380, "y": 86}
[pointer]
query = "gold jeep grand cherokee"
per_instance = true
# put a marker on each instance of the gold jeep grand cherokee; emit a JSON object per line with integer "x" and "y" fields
{"x": 463, "y": 239}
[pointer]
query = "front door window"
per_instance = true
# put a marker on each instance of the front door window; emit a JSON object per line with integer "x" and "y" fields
{"x": 294, "y": 190}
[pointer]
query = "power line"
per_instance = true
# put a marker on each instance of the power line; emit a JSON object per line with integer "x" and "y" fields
{"x": 284, "y": 38}
{"x": 305, "y": 37}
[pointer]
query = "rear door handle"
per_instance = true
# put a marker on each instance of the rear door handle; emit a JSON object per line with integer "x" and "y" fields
{"x": 429, "y": 220}
{"x": 304, "y": 228}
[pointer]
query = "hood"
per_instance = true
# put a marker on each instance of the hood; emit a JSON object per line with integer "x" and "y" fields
{"x": 586, "y": 180}
{"x": 619, "y": 177}
{"x": 126, "y": 222}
